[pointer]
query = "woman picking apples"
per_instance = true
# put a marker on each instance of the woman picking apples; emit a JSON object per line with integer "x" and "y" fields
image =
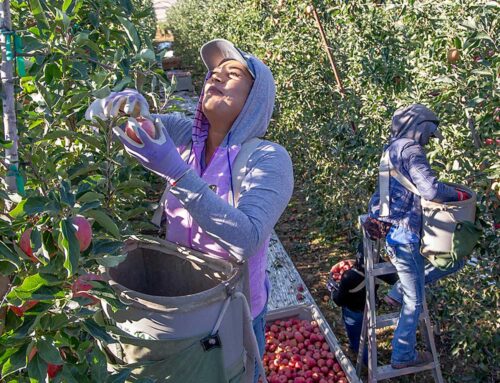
{"x": 236, "y": 105}
{"x": 412, "y": 128}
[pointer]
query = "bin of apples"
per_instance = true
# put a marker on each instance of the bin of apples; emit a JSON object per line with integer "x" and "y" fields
{"x": 297, "y": 352}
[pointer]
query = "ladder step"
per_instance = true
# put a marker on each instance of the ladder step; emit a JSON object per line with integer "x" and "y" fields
{"x": 383, "y": 268}
{"x": 387, "y": 372}
{"x": 387, "y": 319}
{"x": 392, "y": 319}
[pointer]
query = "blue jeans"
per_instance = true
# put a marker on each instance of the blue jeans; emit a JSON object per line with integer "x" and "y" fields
{"x": 353, "y": 322}
{"x": 259, "y": 328}
{"x": 431, "y": 275}
{"x": 409, "y": 264}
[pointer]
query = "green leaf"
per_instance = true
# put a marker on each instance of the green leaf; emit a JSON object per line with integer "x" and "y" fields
{"x": 7, "y": 255}
{"x": 102, "y": 93}
{"x": 27, "y": 328}
{"x": 33, "y": 205}
{"x": 62, "y": 16}
{"x": 89, "y": 206}
{"x": 37, "y": 369}
{"x": 82, "y": 40}
{"x": 111, "y": 260}
{"x": 39, "y": 14}
{"x": 131, "y": 32}
{"x": 80, "y": 71}
{"x": 105, "y": 221}
{"x": 34, "y": 282}
{"x": 147, "y": 55}
{"x": 97, "y": 361}
{"x": 66, "y": 195}
{"x": 90, "y": 196}
{"x": 31, "y": 44}
{"x": 48, "y": 293}
{"x": 66, "y": 5}
{"x": 52, "y": 73}
{"x": 68, "y": 242}
{"x": 106, "y": 246}
{"x": 97, "y": 331}
{"x": 122, "y": 83}
{"x": 48, "y": 351}
{"x": 15, "y": 362}
{"x": 82, "y": 169}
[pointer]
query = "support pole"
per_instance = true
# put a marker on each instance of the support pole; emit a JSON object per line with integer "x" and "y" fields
{"x": 9, "y": 123}
{"x": 8, "y": 98}
{"x": 330, "y": 57}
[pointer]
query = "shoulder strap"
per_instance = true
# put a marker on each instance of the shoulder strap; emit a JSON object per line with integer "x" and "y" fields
{"x": 239, "y": 167}
{"x": 383, "y": 182}
{"x": 386, "y": 169}
{"x": 160, "y": 210}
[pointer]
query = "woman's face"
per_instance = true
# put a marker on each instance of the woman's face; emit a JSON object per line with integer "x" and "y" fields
{"x": 226, "y": 91}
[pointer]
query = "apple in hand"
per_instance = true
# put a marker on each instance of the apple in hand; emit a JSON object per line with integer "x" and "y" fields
{"x": 145, "y": 124}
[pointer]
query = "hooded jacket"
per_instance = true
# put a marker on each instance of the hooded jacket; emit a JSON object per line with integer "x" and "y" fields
{"x": 411, "y": 130}
{"x": 199, "y": 212}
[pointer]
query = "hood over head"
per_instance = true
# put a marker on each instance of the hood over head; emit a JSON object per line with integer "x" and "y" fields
{"x": 255, "y": 116}
{"x": 416, "y": 122}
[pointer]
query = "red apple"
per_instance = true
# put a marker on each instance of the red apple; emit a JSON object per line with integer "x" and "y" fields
{"x": 83, "y": 231}
{"x": 53, "y": 369}
{"x": 145, "y": 124}
{"x": 81, "y": 285}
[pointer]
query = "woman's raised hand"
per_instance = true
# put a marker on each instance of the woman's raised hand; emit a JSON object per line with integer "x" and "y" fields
{"x": 157, "y": 153}
{"x": 128, "y": 101}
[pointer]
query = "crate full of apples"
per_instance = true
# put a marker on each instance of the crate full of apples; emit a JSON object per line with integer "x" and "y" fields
{"x": 299, "y": 351}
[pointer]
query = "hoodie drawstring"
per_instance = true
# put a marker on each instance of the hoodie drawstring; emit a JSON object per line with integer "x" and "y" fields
{"x": 230, "y": 169}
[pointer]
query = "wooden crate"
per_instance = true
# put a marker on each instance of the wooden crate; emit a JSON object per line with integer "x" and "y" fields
{"x": 311, "y": 312}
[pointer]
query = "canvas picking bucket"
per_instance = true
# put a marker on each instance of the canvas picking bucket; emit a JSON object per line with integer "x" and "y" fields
{"x": 440, "y": 221}
{"x": 186, "y": 320}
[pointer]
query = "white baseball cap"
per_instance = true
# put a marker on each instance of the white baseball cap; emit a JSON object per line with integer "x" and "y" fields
{"x": 218, "y": 50}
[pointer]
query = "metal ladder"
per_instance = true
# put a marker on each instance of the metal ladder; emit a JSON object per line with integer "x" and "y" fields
{"x": 371, "y": 322}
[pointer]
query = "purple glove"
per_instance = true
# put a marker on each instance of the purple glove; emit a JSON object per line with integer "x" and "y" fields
{"x": 156, "y": 154}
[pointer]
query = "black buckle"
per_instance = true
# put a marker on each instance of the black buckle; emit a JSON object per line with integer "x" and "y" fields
{"x": 210, "y": 342}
